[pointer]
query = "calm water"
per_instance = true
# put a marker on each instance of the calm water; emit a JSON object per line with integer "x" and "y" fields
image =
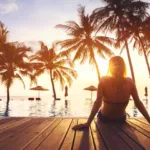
{"x": 21, "y": 106}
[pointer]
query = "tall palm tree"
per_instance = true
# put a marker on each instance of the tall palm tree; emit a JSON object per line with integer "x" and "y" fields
{"x": 137, "y": 32}
{"x": 58, "y": 67}
{"x": 84, "y": 41}
{"x": 13, "y": 66}
{"x": 116, "y": 15}
{"x": 112, "y": 18}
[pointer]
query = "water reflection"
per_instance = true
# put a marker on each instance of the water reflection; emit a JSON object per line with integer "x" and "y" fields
{"x": 20, "y": 106}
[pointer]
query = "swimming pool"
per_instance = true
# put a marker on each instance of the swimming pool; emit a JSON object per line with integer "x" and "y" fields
{"x": 21, "y": 106}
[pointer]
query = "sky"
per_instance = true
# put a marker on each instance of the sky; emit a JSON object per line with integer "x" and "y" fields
{"x": 30, "y": 21}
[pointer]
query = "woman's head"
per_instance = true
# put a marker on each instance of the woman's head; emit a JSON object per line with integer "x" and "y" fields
{"x": 117, "y": 67}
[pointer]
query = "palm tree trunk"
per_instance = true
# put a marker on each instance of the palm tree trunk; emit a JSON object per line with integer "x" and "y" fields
{"x": 129, "y": 59}
{"x": 52, "y": 82}
{"x": 147, "y": 63}
{"x": 96, "y": 65}
{"x": 127, "y": 49}
{"x": 97, "y": 69}
{"x": 7, "y": 104}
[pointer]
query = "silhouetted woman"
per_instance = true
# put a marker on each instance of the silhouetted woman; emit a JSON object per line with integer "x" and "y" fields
{"x": 114, "y": 91}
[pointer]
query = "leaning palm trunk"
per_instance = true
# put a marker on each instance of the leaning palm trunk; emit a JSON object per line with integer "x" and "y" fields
{"x": 128, "y": 54}
{"x": 147, "y": 63}
{"x": 53, "y": 87}
{"x": 96, "y": 65}
{"x": 7, "y": 104}
{"x": 129, "y": 59}
{"x": 97, "y": 69}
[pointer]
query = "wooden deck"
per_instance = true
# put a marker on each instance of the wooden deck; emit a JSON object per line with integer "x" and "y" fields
{"x": 57, "y": 133}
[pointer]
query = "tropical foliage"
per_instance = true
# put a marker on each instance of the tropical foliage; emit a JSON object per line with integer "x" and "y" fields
{"x": 84, "y": 41}
{"x": 13, "y": 65}
{"x": 59, "y": 68}
{"x": 117, "y": 16}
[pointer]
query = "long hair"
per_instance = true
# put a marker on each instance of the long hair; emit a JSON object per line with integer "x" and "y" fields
{"x": 117, "y": 67}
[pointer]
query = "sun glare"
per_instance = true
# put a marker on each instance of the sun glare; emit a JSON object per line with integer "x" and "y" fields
{"x": 103, "y": 66}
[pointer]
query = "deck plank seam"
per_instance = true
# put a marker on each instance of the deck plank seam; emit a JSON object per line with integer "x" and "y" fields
{"x": 132, "y": 138}
{"x": 113, "y": 131}
{"x": 139, "y": 130}
{"x": 49, "y": 132}
{"x": 101, "y": 136}
{"x": 38, "y": 134}
{"x": 61, "y": 143}
{"x": 122, "y": 138}
{"x": 130, "y": 122}
{"x": 36, "y": 121}
{"x": 94, "y": 144}
{"x": 14, "y": 125}
{"x": 141, "y": 121}
{"x": 75, "y": 132}
{"x": 5, "y": 127}
{"x": 18, "y": 131}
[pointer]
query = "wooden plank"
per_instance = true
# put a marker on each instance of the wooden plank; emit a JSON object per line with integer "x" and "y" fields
{"x": 132, "y": 144}
{"x": 98, "y": 141}
{"x": 14, "y": 124}
{"x": 140, "y": 124}
{"x": 8, "y": 122}
{"x": 139, "y": 128}
{"x": 143, "y": 120}
{"x": 83, "y": 138}
{"x": 68, "y": 140}
{"x": 16, "y": 128}
{"x": 136, "y": 136}
{"x": 41, "y": 137}
{"x": 54, "y": 139}
{"x": 112, "y": 140}
{"x": 23, "y": 138}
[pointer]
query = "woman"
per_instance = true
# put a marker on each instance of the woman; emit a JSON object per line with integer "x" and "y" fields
{"x": 114, "y": 90}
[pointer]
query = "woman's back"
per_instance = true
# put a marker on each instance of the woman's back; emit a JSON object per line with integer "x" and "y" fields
{"x": 116, "y": 94}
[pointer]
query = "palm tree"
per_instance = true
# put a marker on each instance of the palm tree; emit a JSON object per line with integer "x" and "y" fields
{"x": 84, "y": 40}
{"x": 137, "y": 31}
{"x": 13, "y": 66}
{"x": 58, "y": 67}
{"x": 116, "y": 15}
{"x": 112, "y": 18}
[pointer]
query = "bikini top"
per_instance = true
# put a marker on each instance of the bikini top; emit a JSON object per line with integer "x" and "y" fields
{"x": 115, "y": 102}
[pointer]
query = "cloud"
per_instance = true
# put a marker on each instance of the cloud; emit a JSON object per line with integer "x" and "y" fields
{"x": 8, "y": 6}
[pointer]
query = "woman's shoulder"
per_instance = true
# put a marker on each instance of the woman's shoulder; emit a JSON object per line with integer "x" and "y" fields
{"x": 106, "y": 78}
{"x": 129, "y": 79}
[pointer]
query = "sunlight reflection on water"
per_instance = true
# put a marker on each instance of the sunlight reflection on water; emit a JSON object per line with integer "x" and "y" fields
{"x": 21, "y": 106}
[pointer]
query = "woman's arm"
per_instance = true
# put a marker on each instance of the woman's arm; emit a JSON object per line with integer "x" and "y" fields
{"x": 95, "y": 108}
{"x": 139, "y": 104}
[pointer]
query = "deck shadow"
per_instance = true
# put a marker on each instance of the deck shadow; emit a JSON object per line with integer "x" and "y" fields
{"x": 121, "y": 136}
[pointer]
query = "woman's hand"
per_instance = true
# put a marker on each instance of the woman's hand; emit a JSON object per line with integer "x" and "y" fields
{"x": 81, "y": 126}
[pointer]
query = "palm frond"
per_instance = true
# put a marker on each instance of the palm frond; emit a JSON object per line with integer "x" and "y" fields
{"x": 101, "y": 48}
{"x": 58, "y": 76}
{"x": 85, "y": 55}
{"x": 107, "y": 40}
{"x": 67, "y": 28}
{"x": 17, "y": 76}
{"x": 79, "y": 52}
{"x": 81, "y": 13}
